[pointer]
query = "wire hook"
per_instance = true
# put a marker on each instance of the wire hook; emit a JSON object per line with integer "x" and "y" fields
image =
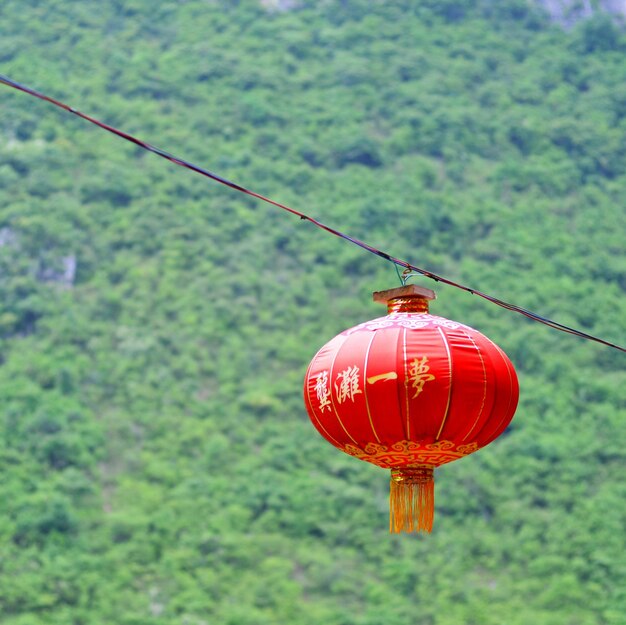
{"x": 406, "y": 274}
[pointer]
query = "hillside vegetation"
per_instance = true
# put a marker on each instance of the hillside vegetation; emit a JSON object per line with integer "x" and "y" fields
{"x": 157, "y": 464}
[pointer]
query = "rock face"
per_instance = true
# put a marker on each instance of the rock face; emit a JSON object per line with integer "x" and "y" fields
{"x": 63, "y": 272}
{"x": 279, "y": 5}
{"x": 568, "y": 12}
{"x": 7, "y": 237}
{"x": 565, "y": 12}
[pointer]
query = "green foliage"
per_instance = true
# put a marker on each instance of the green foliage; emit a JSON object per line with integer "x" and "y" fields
{"x": 157, "y": 463}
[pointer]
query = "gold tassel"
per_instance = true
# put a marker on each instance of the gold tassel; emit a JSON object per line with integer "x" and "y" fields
{"x": 412, "y": 500}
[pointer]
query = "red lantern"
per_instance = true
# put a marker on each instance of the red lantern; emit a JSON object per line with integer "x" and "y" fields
{"x": 409, "y": 392}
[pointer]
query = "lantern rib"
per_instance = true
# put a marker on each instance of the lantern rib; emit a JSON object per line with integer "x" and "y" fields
{"x": 447, "y": 410}
{"x": 367, "y": 405}
{"x": 482, "y": 405}
{"x": 508, "y": 366}
{"x": 332, "y": 397}
{"x": 407, "y": 433}
{"x": 362, "y": 244}
{"x": 328, "y": 437}
{"x": 400, "y": 387}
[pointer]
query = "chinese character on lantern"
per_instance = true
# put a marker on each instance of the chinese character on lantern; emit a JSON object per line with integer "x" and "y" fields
{"x": 347, "y": 384}
{"x": 418, "y": 374}
{"x": 322, "y": 390}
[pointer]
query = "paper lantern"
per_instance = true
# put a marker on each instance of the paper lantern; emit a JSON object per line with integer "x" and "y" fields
{"x": 409, "y": 392}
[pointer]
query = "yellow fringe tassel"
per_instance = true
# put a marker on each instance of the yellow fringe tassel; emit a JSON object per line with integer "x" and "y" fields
{"x": 412, "y": 500}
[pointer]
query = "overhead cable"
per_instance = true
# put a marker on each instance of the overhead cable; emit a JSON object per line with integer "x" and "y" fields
{"x": 396, "y": 261}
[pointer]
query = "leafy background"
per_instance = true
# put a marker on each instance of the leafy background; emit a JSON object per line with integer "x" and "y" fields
{"x": 157, "y": 462}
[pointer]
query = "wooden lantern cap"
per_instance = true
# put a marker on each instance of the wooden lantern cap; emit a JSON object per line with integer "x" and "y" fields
{"x": 410, "y": 290}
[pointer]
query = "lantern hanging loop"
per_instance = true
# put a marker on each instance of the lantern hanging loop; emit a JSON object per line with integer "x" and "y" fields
{"x": 405, "y": 275}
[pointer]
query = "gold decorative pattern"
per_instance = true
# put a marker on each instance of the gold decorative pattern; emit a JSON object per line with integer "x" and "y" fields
{"x": 405, "y": 453}
{"x": 412, "y": 475}
{"x": 467, "y": 449}
{"x": 410, "y": 321}
{"x": 407, "y": 305}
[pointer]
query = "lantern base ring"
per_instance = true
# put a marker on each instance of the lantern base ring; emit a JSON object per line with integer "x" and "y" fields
{"x": 412, "y": 499}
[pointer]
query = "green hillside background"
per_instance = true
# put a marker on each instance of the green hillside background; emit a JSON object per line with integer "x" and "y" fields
{"x": 156, "y": 462}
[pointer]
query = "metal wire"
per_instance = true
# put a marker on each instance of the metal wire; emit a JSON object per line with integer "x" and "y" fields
{"x": 396, "y": 261}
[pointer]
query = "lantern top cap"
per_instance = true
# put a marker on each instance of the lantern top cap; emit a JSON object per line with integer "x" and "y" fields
{"x": 407, "y": 291}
